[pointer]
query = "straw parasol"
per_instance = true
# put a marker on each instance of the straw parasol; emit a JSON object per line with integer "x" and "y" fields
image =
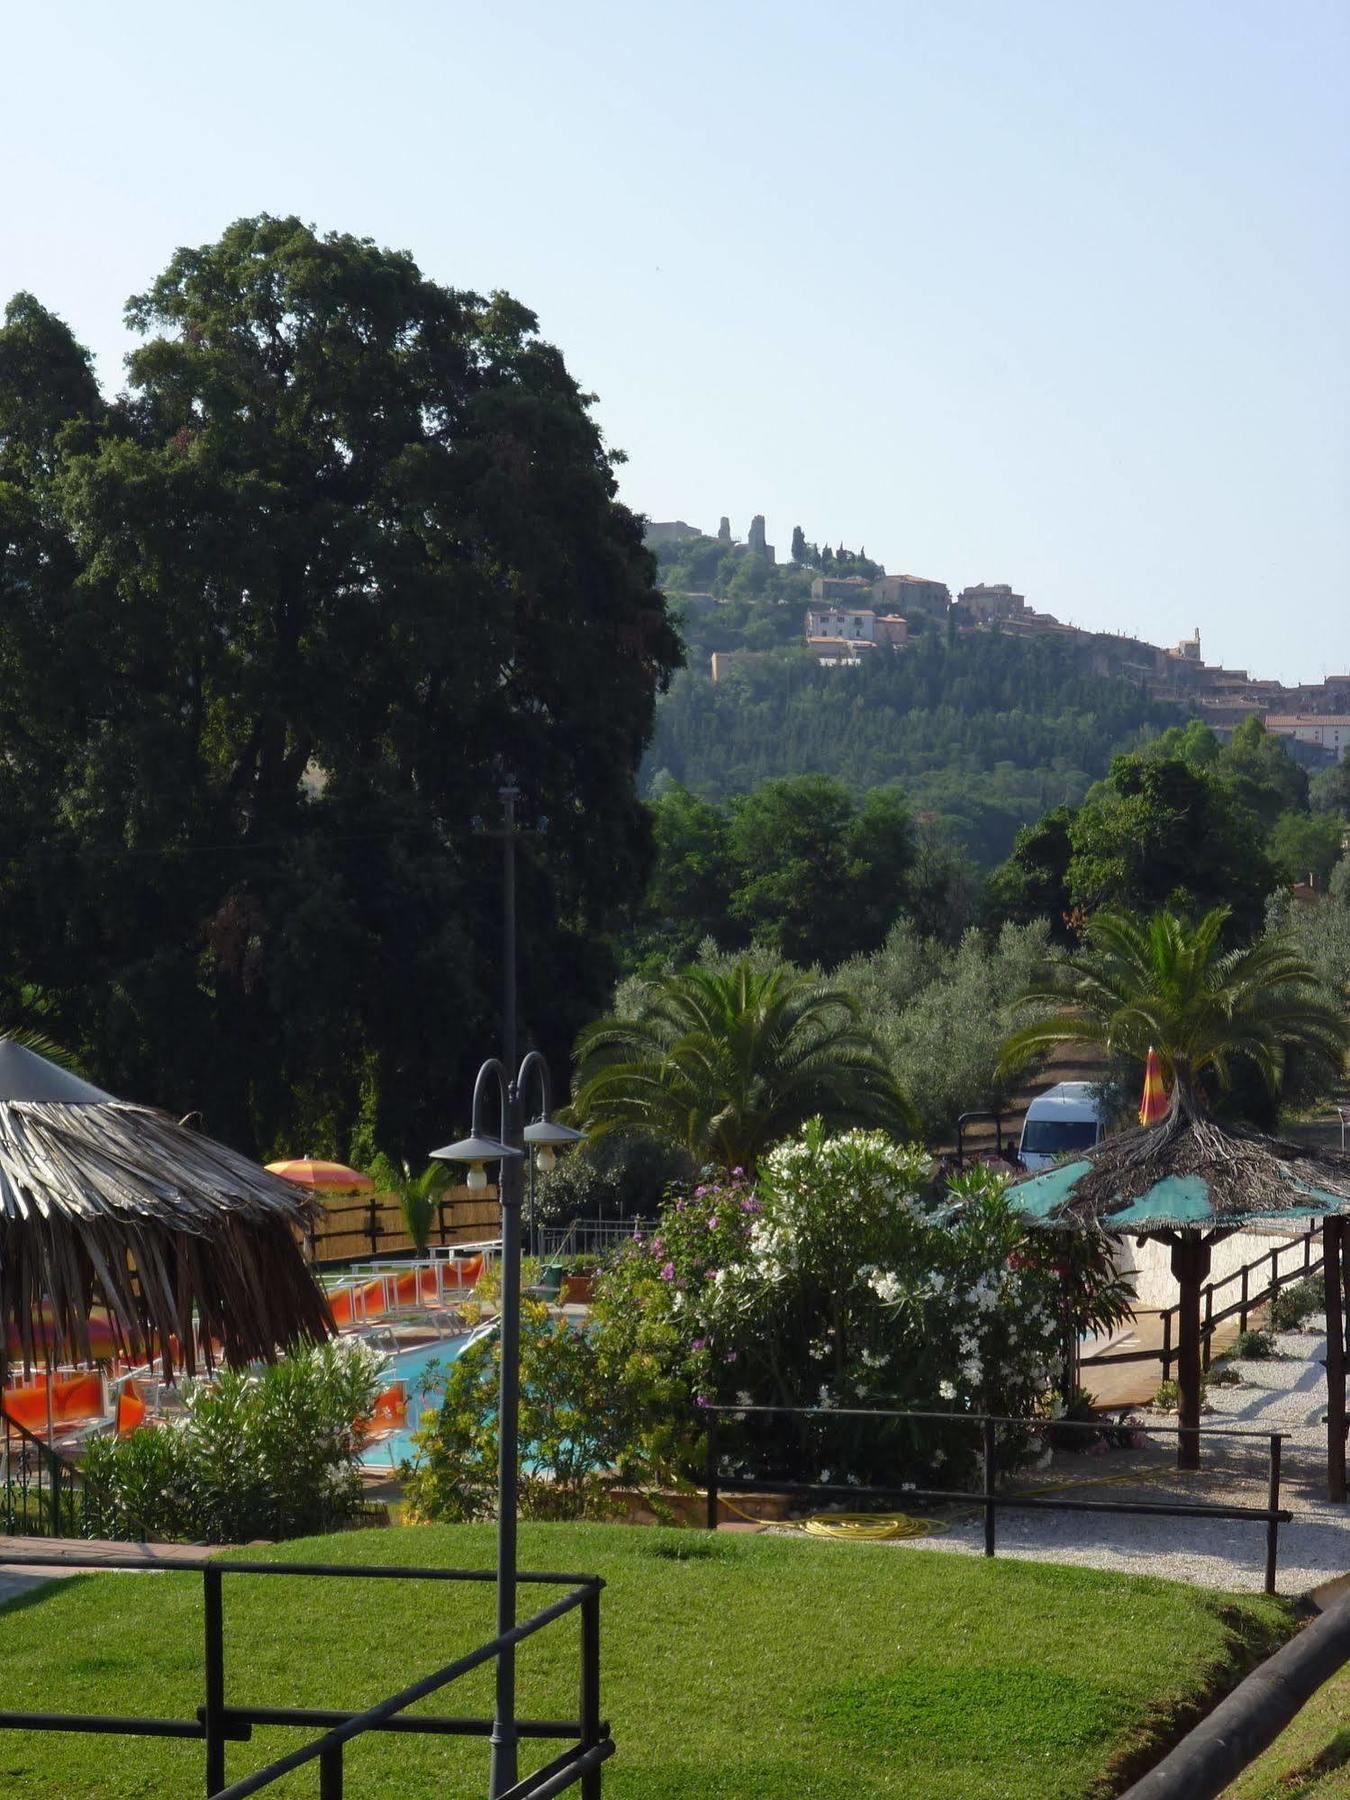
{"x": 1189, "y": 1182}
{"x": 188, "y": 1245}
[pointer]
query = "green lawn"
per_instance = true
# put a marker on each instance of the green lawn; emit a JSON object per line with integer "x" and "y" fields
{"x": 738, "y": 1667}
{"x": 1310, "y": 1760}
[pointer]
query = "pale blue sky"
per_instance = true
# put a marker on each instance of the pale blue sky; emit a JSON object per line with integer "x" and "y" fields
{"x": 1040, "y": 291}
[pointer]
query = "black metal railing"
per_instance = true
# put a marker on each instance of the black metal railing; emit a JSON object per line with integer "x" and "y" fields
{"x": 988, "y": 1498}
{"x": 218, "y": 1722}
{"x": 1241, "y": 1308}
{"x": 39, "y": 1489}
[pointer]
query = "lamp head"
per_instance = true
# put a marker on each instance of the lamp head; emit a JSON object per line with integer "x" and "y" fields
{"x": 477, "y": 1152}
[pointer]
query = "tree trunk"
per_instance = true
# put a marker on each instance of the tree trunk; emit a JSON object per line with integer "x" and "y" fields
{"x": 1190, "y": 1265}
{"x": 1332, "y": 1235}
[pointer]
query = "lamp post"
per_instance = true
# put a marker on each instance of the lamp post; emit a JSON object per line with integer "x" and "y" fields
{"x": 508, "y": 1149}
{"x": 545, "y": 1137}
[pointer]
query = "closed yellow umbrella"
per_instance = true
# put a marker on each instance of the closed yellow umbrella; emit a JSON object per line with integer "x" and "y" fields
{"x": 1155, "y": 1101}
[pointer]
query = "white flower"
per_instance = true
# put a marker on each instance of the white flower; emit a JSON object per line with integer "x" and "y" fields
{"x": 971, "y": 1368}
{"x": 947, "y": 1389}
{"x": 885, "y": 1285}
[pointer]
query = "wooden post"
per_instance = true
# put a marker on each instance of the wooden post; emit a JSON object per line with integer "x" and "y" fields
{"x": 1332, "y": 1236}
{"x": 1190, "y": 1266}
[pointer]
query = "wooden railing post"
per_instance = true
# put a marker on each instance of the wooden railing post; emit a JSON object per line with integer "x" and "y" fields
{"x": 1332, "y": 1230}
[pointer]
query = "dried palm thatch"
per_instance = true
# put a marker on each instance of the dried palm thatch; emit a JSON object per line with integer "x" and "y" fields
{"x": 189, "y": 1246}
{"x": 1189, "y": 1172}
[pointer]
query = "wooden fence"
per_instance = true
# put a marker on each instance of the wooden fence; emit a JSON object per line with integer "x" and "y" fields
{"x": 372, "y": 1225}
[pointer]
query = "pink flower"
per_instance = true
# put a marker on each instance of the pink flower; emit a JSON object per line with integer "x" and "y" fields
{"x": 668, "y": 1272}
{"x": 751, "y": 1205}
{"x": 738, "y": 1174}
{"x": 712, "y": 1222}
{"x": 698, "y": 1344}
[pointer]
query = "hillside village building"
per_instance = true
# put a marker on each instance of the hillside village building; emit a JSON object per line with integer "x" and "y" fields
{"x": 850, "y": 618}
{"x": 1331, "y": 732}
{"x": 912, "y": 595}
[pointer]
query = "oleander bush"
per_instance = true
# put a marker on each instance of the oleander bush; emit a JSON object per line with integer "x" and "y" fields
{"x": 839, "y": 1280}
{"x": 272, "y": 1453}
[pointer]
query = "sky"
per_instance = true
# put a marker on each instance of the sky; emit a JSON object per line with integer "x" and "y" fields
{"x": 1038, "y": 291}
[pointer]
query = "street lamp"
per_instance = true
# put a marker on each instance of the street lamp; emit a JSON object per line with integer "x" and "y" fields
{"x": 545, "y": 1138}
{"x": 477, "y": 1151}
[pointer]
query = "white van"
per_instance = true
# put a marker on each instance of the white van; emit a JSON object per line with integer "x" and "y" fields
{"x": 1065, "y": 1118}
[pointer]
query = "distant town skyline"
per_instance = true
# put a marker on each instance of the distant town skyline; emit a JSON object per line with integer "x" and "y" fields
{"x": 780, "y": 533}
{"x": 1046, "y": 294}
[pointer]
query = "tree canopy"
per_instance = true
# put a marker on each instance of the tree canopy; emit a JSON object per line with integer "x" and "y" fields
{"x": 1165, "y": 984}
{"x": 274, "y": 626}
{"x": 728, "y": 1064}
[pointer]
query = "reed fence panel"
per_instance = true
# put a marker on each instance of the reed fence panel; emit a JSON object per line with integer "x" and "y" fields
{"x": 349, "y": 1230}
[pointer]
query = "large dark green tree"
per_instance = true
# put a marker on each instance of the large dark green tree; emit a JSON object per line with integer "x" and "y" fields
{"x": 273, "y": 628}
{"x": 1162, "y": 832}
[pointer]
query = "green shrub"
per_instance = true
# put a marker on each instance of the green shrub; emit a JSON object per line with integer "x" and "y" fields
{"x": 1254, "y": 1346}
{"x": 1293, "y": 1306}
{"x": 623, "y": 1175}
{"x": 574, "y": 1431}
{"x": 273, "y": 1454}
{"x": 837, "y": 1282}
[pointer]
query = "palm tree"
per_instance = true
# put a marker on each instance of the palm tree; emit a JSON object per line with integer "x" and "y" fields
{"x": 728, "y": 1064}
{"x": 418, "y": 1195}
{"x": 1165, "y": 984}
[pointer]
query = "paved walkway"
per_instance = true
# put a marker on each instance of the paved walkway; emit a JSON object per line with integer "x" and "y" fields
{"x": 1286, "y": 1393}
{"x": 83, "y": 1556}
{"x": 1135, "y": 1384}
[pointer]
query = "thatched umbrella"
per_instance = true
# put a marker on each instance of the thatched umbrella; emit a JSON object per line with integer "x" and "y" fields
{"x": 186, "y": 1244}
{"x": 1188, "y": 1182}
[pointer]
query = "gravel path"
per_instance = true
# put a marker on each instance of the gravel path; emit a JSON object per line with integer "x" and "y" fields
{"x": 1286, "y": 1393}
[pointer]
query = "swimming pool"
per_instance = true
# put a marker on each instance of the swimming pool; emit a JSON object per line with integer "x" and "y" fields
{"x": 410, "y": 1367}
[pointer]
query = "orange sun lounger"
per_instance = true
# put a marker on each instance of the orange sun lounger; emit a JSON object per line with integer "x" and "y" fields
{"x": 75, "y": 1400}
{"x": 417, "y": 1286}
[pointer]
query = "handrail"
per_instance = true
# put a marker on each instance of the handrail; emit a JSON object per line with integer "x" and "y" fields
{"x": 1240, "y": 1309}
{"x": 218, "y": 1723}
{"x": 988, "y": 1499}
{"x": 60, "y": 1472}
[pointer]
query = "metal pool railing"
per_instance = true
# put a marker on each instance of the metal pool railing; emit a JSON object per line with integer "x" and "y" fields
{"x": 39, "y": 1489}
{"x": 219, "y": 1723}
{"x": 988, "y": 1498}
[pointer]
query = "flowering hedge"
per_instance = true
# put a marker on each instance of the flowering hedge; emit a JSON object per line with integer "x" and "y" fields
{"x": 838, "y": 1280}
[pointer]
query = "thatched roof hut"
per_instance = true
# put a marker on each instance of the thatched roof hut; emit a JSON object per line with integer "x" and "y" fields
{"x": 190, "y": 1247}
{"x": 1187, "y": 1182}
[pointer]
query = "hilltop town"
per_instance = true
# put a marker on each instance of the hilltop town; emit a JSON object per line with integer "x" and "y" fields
{"x": 850, "y": 617}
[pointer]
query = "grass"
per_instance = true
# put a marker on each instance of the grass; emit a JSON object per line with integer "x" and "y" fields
{"x": 736, "y": 1666}
{"x": 1310, "y": 1760}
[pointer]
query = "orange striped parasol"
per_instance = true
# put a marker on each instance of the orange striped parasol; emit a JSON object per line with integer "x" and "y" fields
{"x": 322, "y": 1177}
{"x": 1155, "y": 1100}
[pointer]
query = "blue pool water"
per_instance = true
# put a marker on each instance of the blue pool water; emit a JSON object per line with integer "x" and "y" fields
{"x": 410, "y": 1367}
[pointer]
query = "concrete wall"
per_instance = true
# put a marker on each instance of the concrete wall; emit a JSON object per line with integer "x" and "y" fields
{"x": 1152, "y": 1264}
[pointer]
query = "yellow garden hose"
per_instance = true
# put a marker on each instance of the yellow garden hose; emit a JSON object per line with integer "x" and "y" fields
{"x": 868, "y": 1527}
